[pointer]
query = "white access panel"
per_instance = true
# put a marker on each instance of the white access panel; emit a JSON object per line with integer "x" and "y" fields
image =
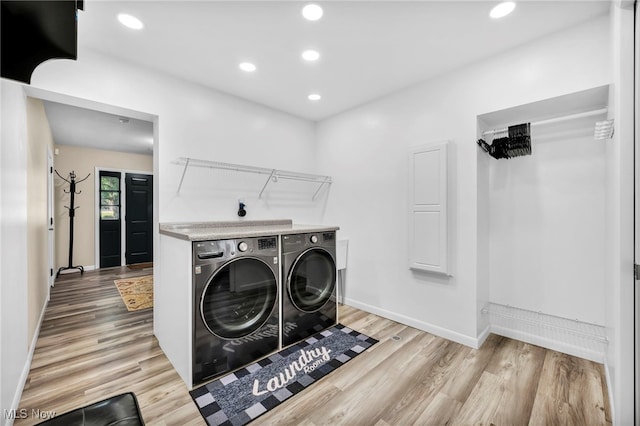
{"x": 428, "y": 222}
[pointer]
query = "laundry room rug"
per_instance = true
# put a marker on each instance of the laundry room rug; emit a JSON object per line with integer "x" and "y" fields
{"x": 244, "y": 395}
{"x": 136, "y": 293}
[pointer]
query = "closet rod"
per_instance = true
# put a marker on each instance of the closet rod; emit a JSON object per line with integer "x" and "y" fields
{"x": 552, "y": 120}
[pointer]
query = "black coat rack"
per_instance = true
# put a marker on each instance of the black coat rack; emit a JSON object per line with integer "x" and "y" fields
{"x": 72, "y": 212}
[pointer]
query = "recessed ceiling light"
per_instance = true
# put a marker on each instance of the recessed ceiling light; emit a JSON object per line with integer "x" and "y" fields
{"x": 310, "y": 55}
{"x": 503, "y": 9}
{"x": 130, "y": 21}
{"x": 314, "y": 97}
{"x": 247, "y": 66}
{"x": 312, "y": 12}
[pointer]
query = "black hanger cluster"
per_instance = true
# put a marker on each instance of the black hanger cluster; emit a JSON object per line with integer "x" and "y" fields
{"x": 516, "y": 144}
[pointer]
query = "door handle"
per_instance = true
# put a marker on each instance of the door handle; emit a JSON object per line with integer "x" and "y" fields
{"x": 210, "y": 255}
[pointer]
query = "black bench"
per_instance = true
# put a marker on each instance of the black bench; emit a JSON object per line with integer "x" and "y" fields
{"x": 120, "y": 410}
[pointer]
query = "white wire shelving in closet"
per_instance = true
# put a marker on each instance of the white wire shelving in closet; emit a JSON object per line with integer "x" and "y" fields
{"x": 273, "y": 175}
{"x": 603, "y": 129}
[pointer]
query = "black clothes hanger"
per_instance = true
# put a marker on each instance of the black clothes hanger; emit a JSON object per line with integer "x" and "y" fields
{"x": 516, "y": 143}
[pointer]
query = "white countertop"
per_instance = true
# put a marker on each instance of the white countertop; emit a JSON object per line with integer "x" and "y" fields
{"x": 203, "y": 231}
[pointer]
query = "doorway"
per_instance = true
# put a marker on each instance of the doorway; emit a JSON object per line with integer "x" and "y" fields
{"x": 125, "y": 219}
{"x": 138, "y": 218}
{"x": 110, "y": 219}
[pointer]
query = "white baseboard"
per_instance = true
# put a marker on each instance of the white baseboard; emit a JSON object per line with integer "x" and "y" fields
{"x": 27, "y": 365}
{"x": 483, "y": 336}
{"x": 420, "y": 325}
{"x": 533, "y": 333}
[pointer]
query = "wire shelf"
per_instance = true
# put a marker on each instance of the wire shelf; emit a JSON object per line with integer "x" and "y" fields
{"x": 518, "y": 318}
{"x": 273, "y": 174}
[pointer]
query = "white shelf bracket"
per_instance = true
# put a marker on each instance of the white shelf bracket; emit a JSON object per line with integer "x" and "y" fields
{"x": 319, "y": 188}
{"x": 271, "y": 176}
{"x": 186, "y": 164}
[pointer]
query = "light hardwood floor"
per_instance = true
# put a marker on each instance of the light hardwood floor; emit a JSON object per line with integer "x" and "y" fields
{"x": 90, "y": 347}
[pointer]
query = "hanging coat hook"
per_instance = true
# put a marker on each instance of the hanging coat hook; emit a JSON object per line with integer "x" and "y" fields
{"x": 62, "y": 177}
{"x": 82, "y": 180}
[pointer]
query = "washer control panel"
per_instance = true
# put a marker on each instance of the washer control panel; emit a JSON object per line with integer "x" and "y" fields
{"x": 223, "y": 250}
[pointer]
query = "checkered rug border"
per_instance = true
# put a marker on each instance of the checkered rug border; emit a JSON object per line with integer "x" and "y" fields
{"x": 232, "y": 399}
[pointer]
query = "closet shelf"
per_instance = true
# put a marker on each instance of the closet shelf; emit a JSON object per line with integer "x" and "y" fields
{"x": 273, "y": 174}
{"x": 542, "y": 320}
{"x": 596, "y": 112}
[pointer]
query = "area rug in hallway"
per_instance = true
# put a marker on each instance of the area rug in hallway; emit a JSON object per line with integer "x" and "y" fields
{"x": 136, "y": 293}
{"x": 244, "y": 395}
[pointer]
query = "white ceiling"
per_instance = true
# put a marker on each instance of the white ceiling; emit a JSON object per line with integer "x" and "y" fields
{"x": 76, "y": 126}
{"x": 368, "y": 48}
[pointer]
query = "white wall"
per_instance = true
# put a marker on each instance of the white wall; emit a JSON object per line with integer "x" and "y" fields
{"x": 619, "y": 247}
{"x": 366, "y": 149}
{"x": 547, "y": 221}
{"x": 189, "y": 120}
{"x": 13, "y": 246}
{"x": 194, "y": 121}
{"x": 40, "y": 142}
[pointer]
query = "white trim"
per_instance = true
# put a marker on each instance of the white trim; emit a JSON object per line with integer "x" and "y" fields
{"x": 607, "y": 376}
{"x": 47, "y": 95}
{"x": 483, "y": 336}
{"x": 420, "y": 325}
{"x": 51, "y": 212}
{"x": 123, "y": 205}
{"x": 15, "y": 404}
{"x": 553, "y": 344}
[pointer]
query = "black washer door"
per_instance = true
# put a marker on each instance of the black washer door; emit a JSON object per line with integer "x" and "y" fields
{"x": 312, "y": 280}
{"x": 239, "y": 298}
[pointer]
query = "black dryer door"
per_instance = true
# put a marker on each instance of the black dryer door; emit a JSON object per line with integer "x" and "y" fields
{"x": 239, "y": 298}
{"x": 312, "y": 280}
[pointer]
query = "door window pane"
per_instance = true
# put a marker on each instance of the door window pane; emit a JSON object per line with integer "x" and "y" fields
{"x": 109, "y": 198}
{"x": 109, "y": 183}
{"x": 110, "y": 212}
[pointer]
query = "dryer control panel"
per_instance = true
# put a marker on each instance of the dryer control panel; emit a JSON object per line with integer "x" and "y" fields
{"x": 295, "y": 242}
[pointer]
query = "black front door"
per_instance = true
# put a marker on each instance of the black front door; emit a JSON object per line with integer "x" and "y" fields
{"x": 139, "y": 218}
{"x": 110, "y": 222}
